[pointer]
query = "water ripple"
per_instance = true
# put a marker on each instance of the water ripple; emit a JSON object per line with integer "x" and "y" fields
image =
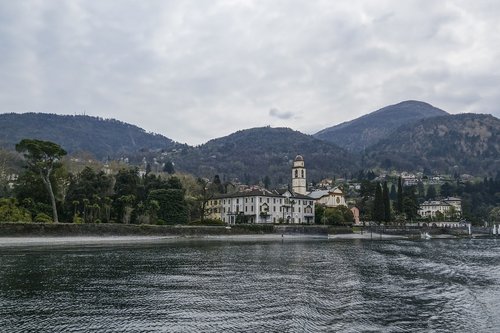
{"x": 297, "y": 286}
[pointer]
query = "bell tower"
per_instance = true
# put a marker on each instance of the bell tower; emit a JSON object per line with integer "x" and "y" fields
{"x": 299, "y": 184}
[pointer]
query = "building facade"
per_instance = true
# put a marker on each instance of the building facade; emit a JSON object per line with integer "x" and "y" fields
{"x": 448, "y": 208}
{"x": 260, "y": 205}
{"x": 299, "y": 183}
{"x": 330, "y": 198}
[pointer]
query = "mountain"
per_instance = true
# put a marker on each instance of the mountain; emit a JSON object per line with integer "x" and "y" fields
{"x": 101, "y": 137}
{"x": 464, "y": 143}
{"x": 358, "y": 134}
{"x": 253, "y": 154}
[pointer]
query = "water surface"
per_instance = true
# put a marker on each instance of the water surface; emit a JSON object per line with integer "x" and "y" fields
{"x": 253, "y": 286}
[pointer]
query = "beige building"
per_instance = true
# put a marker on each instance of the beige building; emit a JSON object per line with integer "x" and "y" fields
{"x": 299, "y": 183}
{"x": 330, "y": 198}
{"x": 446, "y": 208}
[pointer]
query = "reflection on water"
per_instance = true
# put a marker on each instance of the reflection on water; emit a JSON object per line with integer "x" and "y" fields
{"x": 296, "y": 286}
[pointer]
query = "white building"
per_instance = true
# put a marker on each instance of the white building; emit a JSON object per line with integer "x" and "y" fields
{"x": 259, "y": 205}
{"x": 263, "y": 206}
{"x": 446, "y": 208}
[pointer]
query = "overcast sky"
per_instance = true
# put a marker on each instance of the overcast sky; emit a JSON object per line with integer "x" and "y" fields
{"x": 201, "y": 69}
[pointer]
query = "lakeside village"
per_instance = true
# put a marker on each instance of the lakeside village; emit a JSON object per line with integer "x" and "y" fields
{"x": 256, "y": 204}
{"x": 48, "y": 191}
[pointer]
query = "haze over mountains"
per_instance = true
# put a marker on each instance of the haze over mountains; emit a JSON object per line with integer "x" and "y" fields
{"x": 407, "y": 136}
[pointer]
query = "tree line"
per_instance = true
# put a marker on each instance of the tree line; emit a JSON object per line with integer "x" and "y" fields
{"x": 45, "y": 191}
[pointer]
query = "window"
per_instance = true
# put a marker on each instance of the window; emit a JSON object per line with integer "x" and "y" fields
{"x": 267, "y": 200}
{"x": 296, "y": 173}
{"x": 303, "y": 174}
{"x": 274, "y": 208}
{"x": 246, "y": 208}
{"x": 237, "y": 201}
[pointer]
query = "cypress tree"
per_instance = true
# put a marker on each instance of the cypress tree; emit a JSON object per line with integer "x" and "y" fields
{"x": 387, "y": 203}
{"x": 399, "y": 206}
{"x": 378, "y": 205}
{"x": 393, "y": 195}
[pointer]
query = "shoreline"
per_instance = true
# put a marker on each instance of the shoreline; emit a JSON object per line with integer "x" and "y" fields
{"x": 90, "y": 241}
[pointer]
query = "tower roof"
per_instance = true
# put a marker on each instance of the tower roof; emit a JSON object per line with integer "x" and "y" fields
{"x": 299, "y": 158}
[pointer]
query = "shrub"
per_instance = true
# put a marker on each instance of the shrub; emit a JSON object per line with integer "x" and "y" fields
{"x": 10, "y": 212}
{"x": 43, "y": 218}
{"x": 77, "y": 219}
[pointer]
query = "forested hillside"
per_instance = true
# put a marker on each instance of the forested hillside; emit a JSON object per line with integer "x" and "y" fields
{"x": 358, "y": 134}
{"x": 101, "y": 137}
{"x": 253, "y": 154}
{"x": 464, "y": 143}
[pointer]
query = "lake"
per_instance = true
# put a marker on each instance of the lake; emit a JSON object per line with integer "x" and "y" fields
{"x": 253, "y": 286}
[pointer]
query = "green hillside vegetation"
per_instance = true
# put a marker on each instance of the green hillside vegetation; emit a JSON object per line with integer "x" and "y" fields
{"x": 464, "y": 143}
{"x": 101, "y": 137}
{"x": 360, "y": 133}
{"x": 254, "y": 154}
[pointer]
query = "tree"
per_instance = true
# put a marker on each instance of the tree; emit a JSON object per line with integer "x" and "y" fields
{"x": 387, "y": 203}
{"x": 216, "y": 186}
{"x": 410, "y": 205}
{"x": 399, "y": 206}
{"x": 205, "y": 194}
{"x": 172, "y": 207}
{"x": 446, "y": 190}
{"x": 431, "y": 193}
{"x": 393, "y": 194}
{"x": 42, "y": 157}
{"x": 494, "y": 214}
{"x": 169, "y": 167}
{"x": 378, "y": 214}
{"x": 267, "y": 182}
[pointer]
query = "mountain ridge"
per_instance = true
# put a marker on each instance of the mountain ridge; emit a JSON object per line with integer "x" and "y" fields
{"x": 358, "y": 134}
{"x": 466, "y": 143}
{"x": 102, "y": 137}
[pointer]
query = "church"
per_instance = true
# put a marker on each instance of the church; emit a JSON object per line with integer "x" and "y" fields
{"x": 258, "y": 205}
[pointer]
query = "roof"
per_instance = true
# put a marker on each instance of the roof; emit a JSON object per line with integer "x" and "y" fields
{"x": 249, "y": 193}
{"x": 262, "y": 193}
{"x": 299, "y": 158}
{"x": 323, "y": 193}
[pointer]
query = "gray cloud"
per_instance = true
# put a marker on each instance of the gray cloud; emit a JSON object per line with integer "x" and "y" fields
{"x": 280, "y": 114}
{"x": 195, "y": 70}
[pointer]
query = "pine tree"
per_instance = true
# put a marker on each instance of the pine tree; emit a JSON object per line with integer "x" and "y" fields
{"x": 387, "y": 203}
